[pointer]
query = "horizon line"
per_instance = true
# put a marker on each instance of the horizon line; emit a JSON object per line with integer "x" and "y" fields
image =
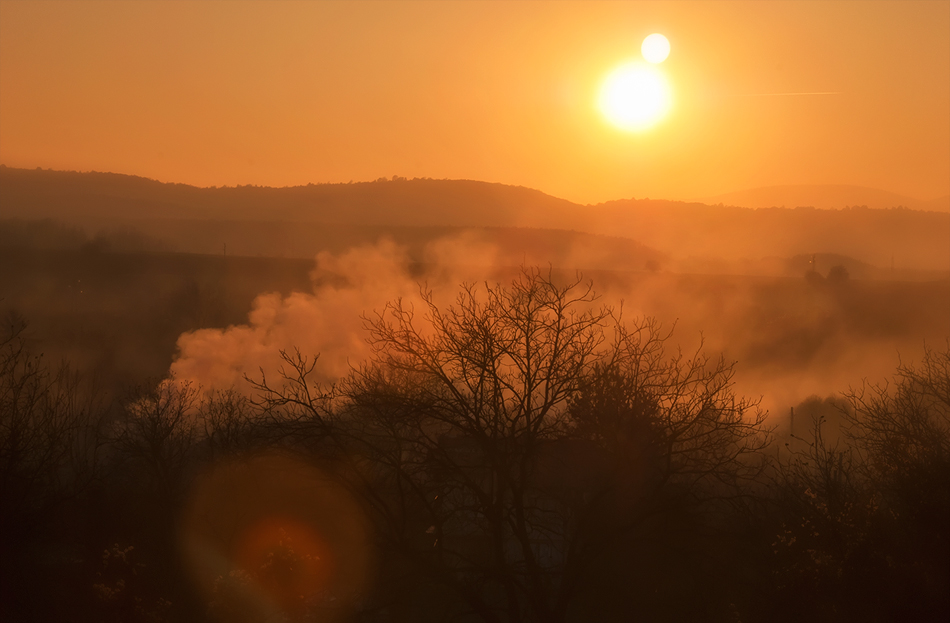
{"x": 392, "y": 178}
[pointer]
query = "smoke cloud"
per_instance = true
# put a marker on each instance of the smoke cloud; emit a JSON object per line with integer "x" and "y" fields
{"x": 326, "y": 322}
{"x": 329, "y": 320}
{"x": 790, "y": 337}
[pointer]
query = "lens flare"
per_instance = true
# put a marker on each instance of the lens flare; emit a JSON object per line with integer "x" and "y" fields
{"x": 655, "y": 48}
{"x": 272, "y": 538}
{"x": 635, "y": 96}
{"x": 287, "y": 559}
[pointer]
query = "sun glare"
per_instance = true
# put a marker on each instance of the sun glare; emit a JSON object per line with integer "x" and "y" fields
{"x": 635, "y": 96}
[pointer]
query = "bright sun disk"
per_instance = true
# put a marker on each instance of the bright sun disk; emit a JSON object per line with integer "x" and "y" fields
{"x": 635, "y": 96}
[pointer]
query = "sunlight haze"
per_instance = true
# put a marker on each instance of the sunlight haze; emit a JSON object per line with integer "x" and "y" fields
{"x": 486, "y": 312}
{"x": 216, "y": 93}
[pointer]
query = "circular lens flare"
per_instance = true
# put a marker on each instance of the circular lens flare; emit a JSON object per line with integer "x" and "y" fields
{"x": 272, "y": 538}
{"x": 287, "y": 560}
{"x": 655, "y": 48}
{"x": 635, "y": 96}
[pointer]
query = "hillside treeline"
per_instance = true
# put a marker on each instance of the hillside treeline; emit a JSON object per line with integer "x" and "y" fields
{"x": 524, "y": 454}
{"x": 907, "y": 239}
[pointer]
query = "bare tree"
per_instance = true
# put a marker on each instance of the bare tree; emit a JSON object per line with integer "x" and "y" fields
{"x": 46, "y": 422}
{"x": 904, "y": 427}
{"x": 227, "y": 418}
{"x": 157, "y": 435}
{"x": 903, "y": 433}
{"x": 48, "y": 445}
{"x": 863, "y": 526}
{"x": 485, "y": 437}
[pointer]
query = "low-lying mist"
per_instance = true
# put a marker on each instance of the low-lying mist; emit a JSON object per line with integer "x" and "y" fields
{"x": 816, "y": 334}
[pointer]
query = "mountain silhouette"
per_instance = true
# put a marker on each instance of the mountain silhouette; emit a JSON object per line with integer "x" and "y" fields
{"x": 826, "y": 196}
{"x": 179, "y": 213}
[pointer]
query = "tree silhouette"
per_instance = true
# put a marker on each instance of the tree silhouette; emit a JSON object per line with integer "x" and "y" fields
{"x": 48, "y": 442}
{"x": 863, "y": 526}
{"x": 493, "y": 440}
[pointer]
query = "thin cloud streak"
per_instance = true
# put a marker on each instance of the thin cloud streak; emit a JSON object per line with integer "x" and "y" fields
{"x": 801, "y": 93}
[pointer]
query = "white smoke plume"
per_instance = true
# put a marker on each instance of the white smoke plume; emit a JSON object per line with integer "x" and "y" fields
{"x": 789, "y": 339}
{"x": 329, "y": 320}
{"x": 326, "y": 322}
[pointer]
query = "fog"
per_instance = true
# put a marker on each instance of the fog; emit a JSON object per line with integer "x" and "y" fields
{"x": 791, "y": 338}
{"x": 719, "y": 400}
{"x": 474, "y": 312}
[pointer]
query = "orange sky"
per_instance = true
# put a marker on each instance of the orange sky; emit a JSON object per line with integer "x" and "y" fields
{"x": 279, "y": 94}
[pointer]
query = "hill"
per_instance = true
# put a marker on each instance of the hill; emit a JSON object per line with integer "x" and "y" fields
{"x": 825, "y": 196}
{"x": 906, "y": 239}
{"x": 186, "y": 217}
{"x": 507, "y": 246}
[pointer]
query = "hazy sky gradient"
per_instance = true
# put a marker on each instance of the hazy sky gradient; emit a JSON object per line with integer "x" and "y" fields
{"x": 277, "y": 94}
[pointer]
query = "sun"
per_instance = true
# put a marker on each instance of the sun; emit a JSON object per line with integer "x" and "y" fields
{"x": 635, "y": 96}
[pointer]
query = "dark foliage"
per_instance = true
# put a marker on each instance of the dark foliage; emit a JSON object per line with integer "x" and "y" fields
{"x": 525, "y": 454}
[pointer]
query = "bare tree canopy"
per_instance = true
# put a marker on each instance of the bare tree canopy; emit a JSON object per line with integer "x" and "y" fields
{"x": 507, "y": 441}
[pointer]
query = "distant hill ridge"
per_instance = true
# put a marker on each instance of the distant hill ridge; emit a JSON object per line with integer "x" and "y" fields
{"x": 909, "y": 238}
{"x": 417, "y": 202}
{"x": 825, "y": 196}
